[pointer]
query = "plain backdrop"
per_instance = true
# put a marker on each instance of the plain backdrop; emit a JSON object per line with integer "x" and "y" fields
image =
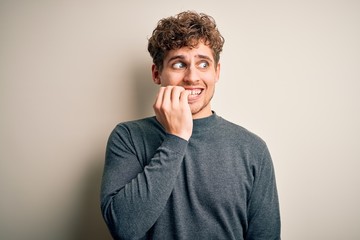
{"x": 71, "y": 70}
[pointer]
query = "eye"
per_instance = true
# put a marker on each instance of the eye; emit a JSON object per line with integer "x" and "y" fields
{"x": 178, "y": 65}
{"x": 203, "y": 64}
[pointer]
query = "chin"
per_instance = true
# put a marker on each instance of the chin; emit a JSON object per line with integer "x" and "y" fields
{"x": 199, "y": 110}
{"x": 195, "y": 109}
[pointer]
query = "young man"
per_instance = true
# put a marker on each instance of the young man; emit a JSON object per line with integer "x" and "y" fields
{"x": 187, "y": 173}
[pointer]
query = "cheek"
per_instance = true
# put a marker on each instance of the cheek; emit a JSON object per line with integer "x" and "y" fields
{"x": 210, "y": 80}
{"x": 171, "y": 79}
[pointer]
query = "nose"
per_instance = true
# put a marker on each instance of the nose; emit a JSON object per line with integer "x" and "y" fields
{"x": 191, "y": 75}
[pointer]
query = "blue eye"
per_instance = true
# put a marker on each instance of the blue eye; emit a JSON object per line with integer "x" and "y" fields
{"x": 178, "y": 65}
{"x": 203, "y": 65}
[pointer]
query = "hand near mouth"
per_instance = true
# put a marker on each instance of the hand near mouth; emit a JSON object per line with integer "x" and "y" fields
{"x": 172, "y": 110}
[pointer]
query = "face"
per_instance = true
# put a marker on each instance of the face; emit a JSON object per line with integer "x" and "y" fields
{"x": 195, "y": 70}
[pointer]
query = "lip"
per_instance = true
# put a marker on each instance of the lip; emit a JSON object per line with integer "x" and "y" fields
{"x": 195, "y": 97}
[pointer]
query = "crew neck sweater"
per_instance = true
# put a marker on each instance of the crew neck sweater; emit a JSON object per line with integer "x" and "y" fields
{"x": 218, "y": 185}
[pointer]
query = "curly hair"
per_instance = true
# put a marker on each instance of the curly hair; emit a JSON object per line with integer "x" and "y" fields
{"x": 185, "y": 29}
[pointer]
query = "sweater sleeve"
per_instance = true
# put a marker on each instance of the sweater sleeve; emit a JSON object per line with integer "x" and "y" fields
{"x": 263, "y": 205}
{"x": 133, "y": 196}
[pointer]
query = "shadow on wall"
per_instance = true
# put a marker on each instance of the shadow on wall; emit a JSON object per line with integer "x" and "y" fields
{"x": 145, "y": 90}
{"x": 91, "y": 225}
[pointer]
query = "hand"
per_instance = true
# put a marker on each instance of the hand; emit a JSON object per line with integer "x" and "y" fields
{"x": 173, "y": 111}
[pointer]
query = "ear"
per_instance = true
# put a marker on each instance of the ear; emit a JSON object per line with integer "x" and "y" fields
{"x": 217, "y": 72}
{"x": 155, "y": 74}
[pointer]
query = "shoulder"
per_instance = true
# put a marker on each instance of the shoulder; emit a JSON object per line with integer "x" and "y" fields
{"x": 138, "y": 123}
{"x": 137, "y": 130}
{"x": 240, "y": 133}
{"x": 247, "y": 142}
{"x": 133, "y": 126}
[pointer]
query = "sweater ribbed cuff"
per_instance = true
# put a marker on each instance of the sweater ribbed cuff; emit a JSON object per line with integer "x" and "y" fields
{"x": 175, "y": 144}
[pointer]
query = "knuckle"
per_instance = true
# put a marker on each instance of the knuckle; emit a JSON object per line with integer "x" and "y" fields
{"x": 155, "y": 106}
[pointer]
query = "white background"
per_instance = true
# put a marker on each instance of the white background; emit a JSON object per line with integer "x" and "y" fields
{"x": 71, "y": 70}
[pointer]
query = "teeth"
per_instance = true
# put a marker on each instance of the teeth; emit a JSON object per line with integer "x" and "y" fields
{"x": 194, "y": 91}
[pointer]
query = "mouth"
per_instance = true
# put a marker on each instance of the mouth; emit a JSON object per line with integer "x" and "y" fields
{"x": 194, "y": 94}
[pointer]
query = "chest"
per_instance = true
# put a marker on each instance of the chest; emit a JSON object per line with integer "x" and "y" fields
{"x": 213, "y": 176}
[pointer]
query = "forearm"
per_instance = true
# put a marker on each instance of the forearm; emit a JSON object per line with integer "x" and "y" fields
{"x": 131, "y": 210}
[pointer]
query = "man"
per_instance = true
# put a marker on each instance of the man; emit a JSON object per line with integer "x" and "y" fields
{"x": 187, "y": 173}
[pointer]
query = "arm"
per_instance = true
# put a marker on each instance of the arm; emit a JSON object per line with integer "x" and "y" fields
{"x": 133, "y": 197}
{"x": 263, "y": 206}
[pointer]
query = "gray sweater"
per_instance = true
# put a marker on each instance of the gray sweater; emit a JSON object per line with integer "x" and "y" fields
{"x": 218, "y": 185}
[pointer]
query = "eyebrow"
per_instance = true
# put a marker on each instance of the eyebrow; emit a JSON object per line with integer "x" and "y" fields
{"x": 201, "y": 56}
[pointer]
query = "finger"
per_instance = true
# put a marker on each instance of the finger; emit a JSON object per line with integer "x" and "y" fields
{"x": 184, "y": 97}
{"x": 167, "y": 96}
{"x": 175, "y": 94}
{"x": 159, "y": 98}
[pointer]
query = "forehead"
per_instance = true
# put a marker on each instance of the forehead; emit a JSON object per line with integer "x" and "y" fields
{"x": 199, "y": 51}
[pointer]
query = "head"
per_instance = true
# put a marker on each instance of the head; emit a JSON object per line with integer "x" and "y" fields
{"x": 186, "y": 52}
{"x": 186, "y": 29}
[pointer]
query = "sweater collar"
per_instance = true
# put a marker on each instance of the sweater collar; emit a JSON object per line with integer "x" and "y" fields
{"x": 206, "y": 123}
